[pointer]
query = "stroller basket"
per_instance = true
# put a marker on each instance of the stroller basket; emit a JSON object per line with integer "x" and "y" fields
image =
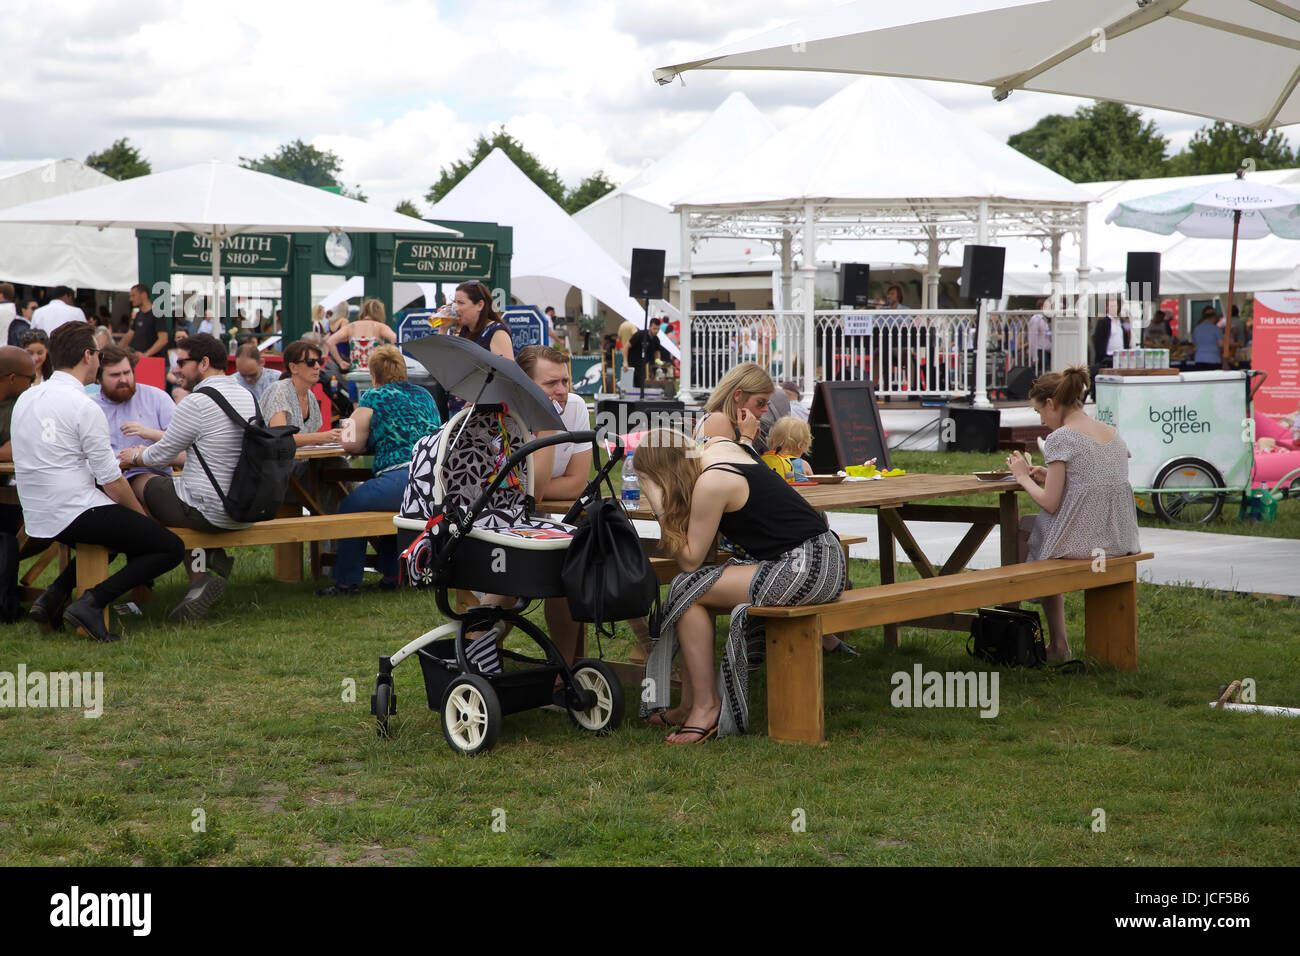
{"x": 517, "y": 690}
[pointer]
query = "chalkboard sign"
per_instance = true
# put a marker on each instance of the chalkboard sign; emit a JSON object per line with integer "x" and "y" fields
{"x": 846, "y": 427}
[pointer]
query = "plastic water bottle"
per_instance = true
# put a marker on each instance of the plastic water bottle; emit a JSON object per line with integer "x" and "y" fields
{"x": 631, "y": 493}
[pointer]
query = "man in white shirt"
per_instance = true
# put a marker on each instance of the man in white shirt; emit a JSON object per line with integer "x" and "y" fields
{"x": 58, "y": 311}
{"x": 61, "y": 452}
{"x": 192, "y": 500}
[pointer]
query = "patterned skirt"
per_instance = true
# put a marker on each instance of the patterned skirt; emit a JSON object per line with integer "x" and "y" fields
{"x": 813, "y": 573}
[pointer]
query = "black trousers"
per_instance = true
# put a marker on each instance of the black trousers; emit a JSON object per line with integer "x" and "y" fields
{"x": 638, "y": 376}
{"x": 151, "y": 550}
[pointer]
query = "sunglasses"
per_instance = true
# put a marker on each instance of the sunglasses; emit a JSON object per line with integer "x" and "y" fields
{"x": 313, "y": 362}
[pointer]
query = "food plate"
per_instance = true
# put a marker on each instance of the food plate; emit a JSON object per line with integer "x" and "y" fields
{"x": 992, "y": 475}
{"x": 827, "y": 479}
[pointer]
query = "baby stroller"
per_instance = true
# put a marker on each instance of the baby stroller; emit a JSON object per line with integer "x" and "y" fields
{"x": 467, "y": 523}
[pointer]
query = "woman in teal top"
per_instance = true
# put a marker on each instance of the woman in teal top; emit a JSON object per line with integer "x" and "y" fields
{"x": 389, "y": 420}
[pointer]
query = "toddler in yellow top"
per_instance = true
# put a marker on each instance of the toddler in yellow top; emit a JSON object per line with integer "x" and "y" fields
{"x": 789, "y": 440}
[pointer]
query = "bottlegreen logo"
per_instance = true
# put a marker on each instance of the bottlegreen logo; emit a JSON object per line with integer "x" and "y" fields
{"x": 1179, "y": 420}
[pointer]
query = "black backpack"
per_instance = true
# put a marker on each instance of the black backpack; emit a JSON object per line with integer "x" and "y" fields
{"x": 261, "y": 476}
{"x": 607, "y": 576}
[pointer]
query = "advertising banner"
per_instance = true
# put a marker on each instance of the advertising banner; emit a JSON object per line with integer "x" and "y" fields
{"x": 1275, "y": 349}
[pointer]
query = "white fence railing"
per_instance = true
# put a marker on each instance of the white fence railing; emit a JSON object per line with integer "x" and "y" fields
{"x": 902, "y": 352}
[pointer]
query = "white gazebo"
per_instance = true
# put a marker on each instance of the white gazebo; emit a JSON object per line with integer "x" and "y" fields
{"x": 880, "y": 160}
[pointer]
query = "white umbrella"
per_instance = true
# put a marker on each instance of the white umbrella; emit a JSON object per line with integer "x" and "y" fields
{"x": 216, "y": 200}
{"x": 1234, "y": 210}
{"x": 1232, "y": 60}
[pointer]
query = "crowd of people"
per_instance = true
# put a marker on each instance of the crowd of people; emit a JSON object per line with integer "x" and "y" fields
{"x": 96, "y": 454}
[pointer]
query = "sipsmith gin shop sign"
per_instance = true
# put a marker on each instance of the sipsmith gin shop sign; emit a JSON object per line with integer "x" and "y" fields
{"x": 442, "y": 260}
{"x": 252, "y": 253}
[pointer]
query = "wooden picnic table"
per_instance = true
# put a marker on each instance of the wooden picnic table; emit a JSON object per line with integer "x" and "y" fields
{"x": 903, "y": 499}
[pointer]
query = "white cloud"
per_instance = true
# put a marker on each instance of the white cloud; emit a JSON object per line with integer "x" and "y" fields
{"x": 401, "y": 88}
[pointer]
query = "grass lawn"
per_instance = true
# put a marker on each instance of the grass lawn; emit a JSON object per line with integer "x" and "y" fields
{"x": 245, "y": 716}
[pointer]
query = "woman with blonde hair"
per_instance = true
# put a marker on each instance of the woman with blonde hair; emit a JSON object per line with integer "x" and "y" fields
{"x": 362, "y": 336}
{"x": 792, "y": 559}
{"x": 743, "y": 393}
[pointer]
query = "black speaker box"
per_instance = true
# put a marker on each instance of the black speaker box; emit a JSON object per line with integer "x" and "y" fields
{"x": 855, "y": 277}
{"x": 971, "y": 429}
{"x": 647, "y": 281}
{"x": 981, "y": 272}
{"x": 1019, "y": 380}
{"x": 1143, "y": 276}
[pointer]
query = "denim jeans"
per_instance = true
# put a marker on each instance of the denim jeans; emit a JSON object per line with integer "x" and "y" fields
{"x": 383, "y": 493}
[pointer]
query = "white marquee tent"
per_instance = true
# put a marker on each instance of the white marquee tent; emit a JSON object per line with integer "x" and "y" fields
{"x": 880, "y": 160}
{"x": 639, "y": 213}
{"x": 77, "y": 256}
{"x": 551, "y": 252}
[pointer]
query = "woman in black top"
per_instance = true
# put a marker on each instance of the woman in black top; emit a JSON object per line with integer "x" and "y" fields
{"x": 795, "y": 559}
{"x": 477, "y": 320}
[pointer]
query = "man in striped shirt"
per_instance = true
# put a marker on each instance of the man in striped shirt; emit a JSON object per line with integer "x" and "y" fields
{"x": 192, "y": 501}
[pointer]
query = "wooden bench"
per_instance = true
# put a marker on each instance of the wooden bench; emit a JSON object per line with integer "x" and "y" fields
{"x": 92, "y": 560}
{"x": 794, "y": 657}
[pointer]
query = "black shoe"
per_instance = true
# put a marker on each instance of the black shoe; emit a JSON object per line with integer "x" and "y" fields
{"x": 47, "y": 610}
{"x": 219, "y": 562}
{"x": 383, "y": 584}
{"x": 88, "y": 618}
{"x": 201, "y": 596}
{"x": 339, "y": 590}
{"x": 844, "y": 648}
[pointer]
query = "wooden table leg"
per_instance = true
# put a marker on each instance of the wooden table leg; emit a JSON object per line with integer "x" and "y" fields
{"x": 1110, "y": 624}
{"x": 794, "y": 681}
{"x": 888, "y": 570}
{"x": 1009, "y": 519}
{"x": 92, "y": 569}
{"x": 287, "y": 564}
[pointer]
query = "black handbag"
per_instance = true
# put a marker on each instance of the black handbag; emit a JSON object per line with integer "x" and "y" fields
{"x": 1006, "y": 638}
{"x": 607, "y": 576}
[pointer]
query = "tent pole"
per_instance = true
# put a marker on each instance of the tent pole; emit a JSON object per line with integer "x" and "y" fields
{"x": 809, "y": 269}
{"x": 1232, "y": 277}
{"x": 685, "y": 341}
{"x": 980, "y": 393}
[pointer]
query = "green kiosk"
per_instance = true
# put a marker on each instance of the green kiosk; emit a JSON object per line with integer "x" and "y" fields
{"x": 484, "y": 253}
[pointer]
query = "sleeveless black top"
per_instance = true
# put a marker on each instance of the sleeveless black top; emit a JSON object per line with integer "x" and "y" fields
{"x": 775, "y": 518}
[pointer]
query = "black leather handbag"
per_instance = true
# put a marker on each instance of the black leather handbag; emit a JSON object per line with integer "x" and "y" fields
{"x": 607, "y": 576}
{"x": 1006, "y": 638}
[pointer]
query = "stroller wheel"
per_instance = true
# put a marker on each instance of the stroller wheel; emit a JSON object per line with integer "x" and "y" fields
{"x": 471, "y": 715}
{"x": 382, "y": 703}
{"x": 606, "y": 712}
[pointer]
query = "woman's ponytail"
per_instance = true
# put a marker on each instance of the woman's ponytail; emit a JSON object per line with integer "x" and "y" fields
{"x": 1066, "y": 388}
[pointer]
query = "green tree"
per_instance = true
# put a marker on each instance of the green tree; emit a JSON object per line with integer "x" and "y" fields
{"x": 407, "y": 208}
{"x": 1102, "y": 141}
{"x": 304, "y": 164}
{"x": 548, "y": 180}
{"x": 587, "y": 192}
{"x": 1221, "y": 147}
{"x": 121, "y": 161}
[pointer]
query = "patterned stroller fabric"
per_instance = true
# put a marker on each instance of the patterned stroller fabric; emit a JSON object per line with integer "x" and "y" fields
{"x": 477, "y": 451}
{"x": 487, "y": 438}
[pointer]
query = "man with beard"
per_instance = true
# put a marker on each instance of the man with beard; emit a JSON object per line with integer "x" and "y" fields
{"x": 132, "y": 410}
